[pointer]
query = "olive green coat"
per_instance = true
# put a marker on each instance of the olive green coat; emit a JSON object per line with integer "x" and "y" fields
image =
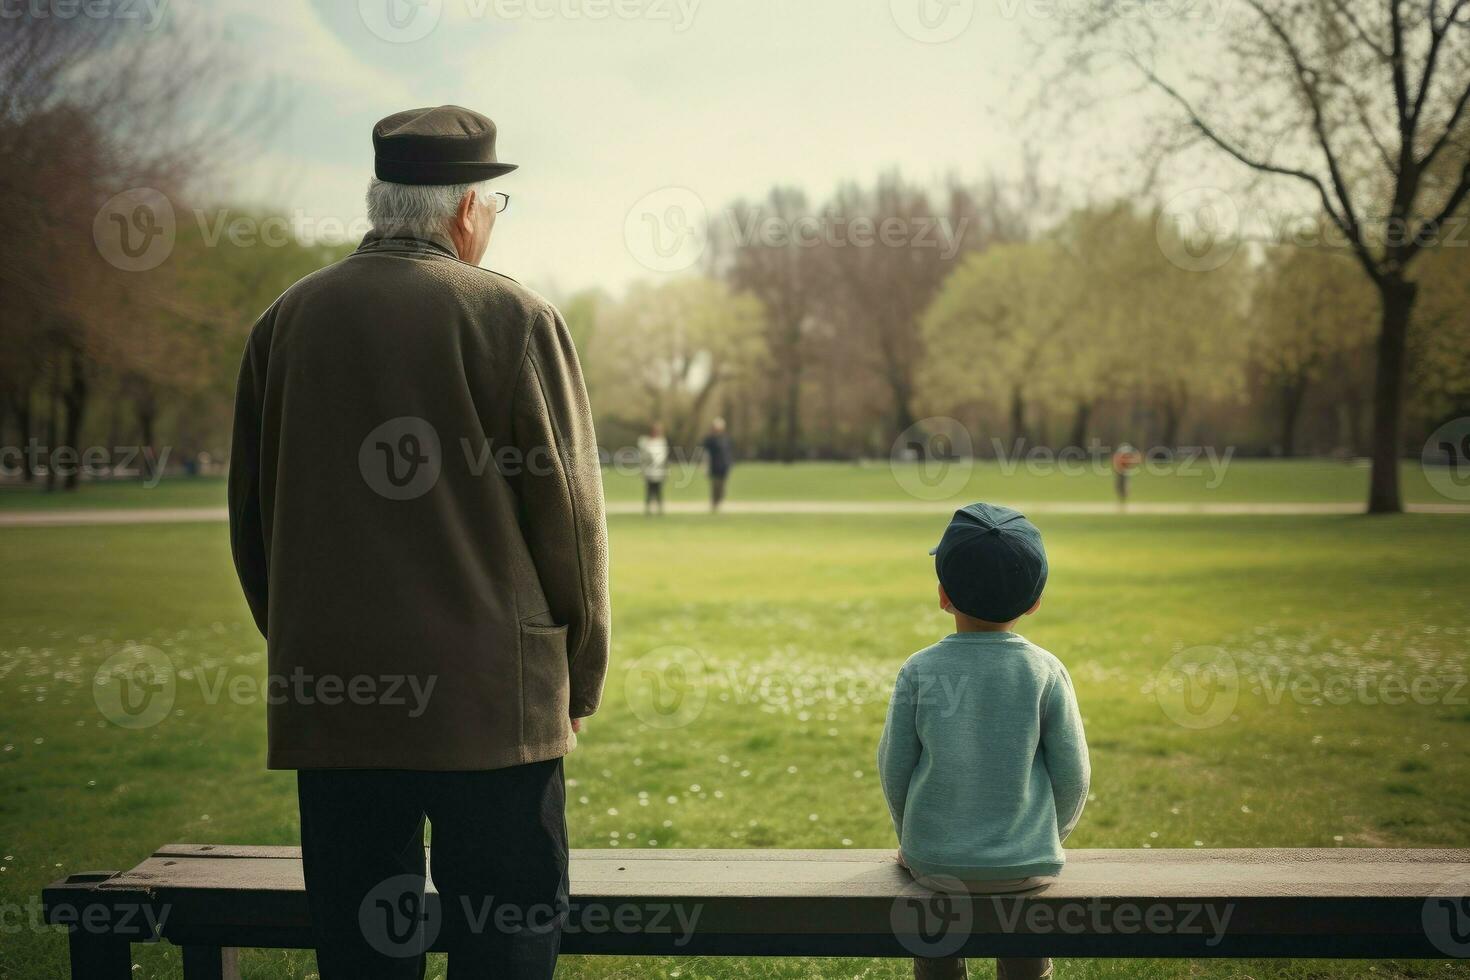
{"x": 416, "y": 517}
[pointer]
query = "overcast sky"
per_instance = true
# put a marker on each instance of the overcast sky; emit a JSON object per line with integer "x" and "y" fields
{"x": 622, "y": 112}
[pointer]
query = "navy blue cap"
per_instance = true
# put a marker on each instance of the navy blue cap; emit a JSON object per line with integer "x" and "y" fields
{"x": 991, "y": 563}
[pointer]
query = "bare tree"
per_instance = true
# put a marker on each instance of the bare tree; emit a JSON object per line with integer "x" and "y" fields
{"x": 759, "y": 254}
{"x": 1362, "y": 103}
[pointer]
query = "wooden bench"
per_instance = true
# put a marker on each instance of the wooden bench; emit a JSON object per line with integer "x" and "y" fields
{"x": 212, "y": 899}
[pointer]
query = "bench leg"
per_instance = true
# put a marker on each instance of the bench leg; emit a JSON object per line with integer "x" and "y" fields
{"x": 98, "y": 956}
{"x": 211, "y": 963}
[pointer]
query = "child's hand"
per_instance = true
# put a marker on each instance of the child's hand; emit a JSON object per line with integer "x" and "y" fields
{"x": 576, "y": 726}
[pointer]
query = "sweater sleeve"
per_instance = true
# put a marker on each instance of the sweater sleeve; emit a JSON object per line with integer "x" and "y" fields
{"x": 561, "y": 502}
{"x": 898, "y": 750}
{"x": 247, "y": 528}
{"x": 1064, "y": 746}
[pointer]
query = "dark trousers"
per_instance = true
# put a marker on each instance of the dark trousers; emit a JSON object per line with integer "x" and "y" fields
{"x": 653, "y": 493}
{"x": 499, "y": 856}
{"x": 717, "y": 490}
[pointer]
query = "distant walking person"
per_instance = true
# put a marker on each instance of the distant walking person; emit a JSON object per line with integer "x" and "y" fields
{"x": 1125, "y": 462}
{"x": 653, "y": 461}
{"x": 720, "y": 453}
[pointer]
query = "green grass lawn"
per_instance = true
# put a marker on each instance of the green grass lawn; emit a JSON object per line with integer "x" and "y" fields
{"x": 794, "y": 674}
{"x": 1200, "y": 481}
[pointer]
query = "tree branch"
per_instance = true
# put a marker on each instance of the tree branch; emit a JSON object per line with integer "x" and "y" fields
{"x": 1307, "y": 79}
{"x": 1415, "y": 244}
{"x": 1369, "y": 263}
{"x": 1436, "y": 38}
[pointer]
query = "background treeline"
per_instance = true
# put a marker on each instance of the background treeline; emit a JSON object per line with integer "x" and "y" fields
{"x": 1095, "y": 326}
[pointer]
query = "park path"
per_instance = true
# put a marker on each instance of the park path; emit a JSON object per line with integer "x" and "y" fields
{"x": 82, "y": 517}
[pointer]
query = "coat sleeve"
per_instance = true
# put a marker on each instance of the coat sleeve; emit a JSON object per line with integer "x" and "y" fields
{"x": 899, "y": 750}
{"x": 562, "y": 514}
{"x": 1064, "y": 746}
{"x": 247, "y": 528}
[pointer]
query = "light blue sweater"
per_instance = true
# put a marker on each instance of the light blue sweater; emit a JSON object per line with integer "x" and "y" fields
{"x": 983, "y": 759}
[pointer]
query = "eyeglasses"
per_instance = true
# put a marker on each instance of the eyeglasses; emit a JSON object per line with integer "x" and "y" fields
{"x": 501, "y": 201}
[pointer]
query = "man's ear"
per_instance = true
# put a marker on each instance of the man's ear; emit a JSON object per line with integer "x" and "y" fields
{"x": 1034, "y": 606}
{"x": 944, "y": 602}
{"x": 464, "y": 214}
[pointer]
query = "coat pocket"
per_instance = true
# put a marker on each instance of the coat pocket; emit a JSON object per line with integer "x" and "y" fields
{"x": 545, "y": 684}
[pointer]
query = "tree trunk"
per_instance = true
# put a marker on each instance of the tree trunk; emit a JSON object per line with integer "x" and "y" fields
{"x": 148, "y": 454}
{"x": 1080, "y": 421}
{"x": 1397, "y": 297}
{"x": 20, "y": 407}
{"x": 53, "y": 410}
{"x": 1018, "y": 417}
{"x": 75, "y": 401}
{"x": 1293, "y": 393}
{"x": 1173, "y": 416}
{"x": 792, "y": 433}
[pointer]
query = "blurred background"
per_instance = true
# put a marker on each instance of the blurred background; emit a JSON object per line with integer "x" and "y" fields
{"x": 1048, "y": 222}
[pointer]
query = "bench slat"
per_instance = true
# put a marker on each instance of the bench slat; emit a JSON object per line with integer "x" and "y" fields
{"x": 1337, "y": 902}
{"x": 1200, "y": 874}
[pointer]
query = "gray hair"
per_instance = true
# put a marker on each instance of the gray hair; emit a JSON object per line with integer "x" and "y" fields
{"x": 419, "y": 210}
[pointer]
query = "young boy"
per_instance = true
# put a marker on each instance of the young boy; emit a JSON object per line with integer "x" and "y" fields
{"x": 983, "y": 759}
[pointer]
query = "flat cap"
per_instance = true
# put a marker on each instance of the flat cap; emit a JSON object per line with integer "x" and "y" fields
{"x": 446, "y": 144}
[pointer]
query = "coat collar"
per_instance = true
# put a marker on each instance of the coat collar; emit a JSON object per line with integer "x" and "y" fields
{"x": 378, "y": 241}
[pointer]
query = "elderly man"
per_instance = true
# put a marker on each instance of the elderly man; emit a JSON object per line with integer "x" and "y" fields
{"x": 417, "y": 521}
